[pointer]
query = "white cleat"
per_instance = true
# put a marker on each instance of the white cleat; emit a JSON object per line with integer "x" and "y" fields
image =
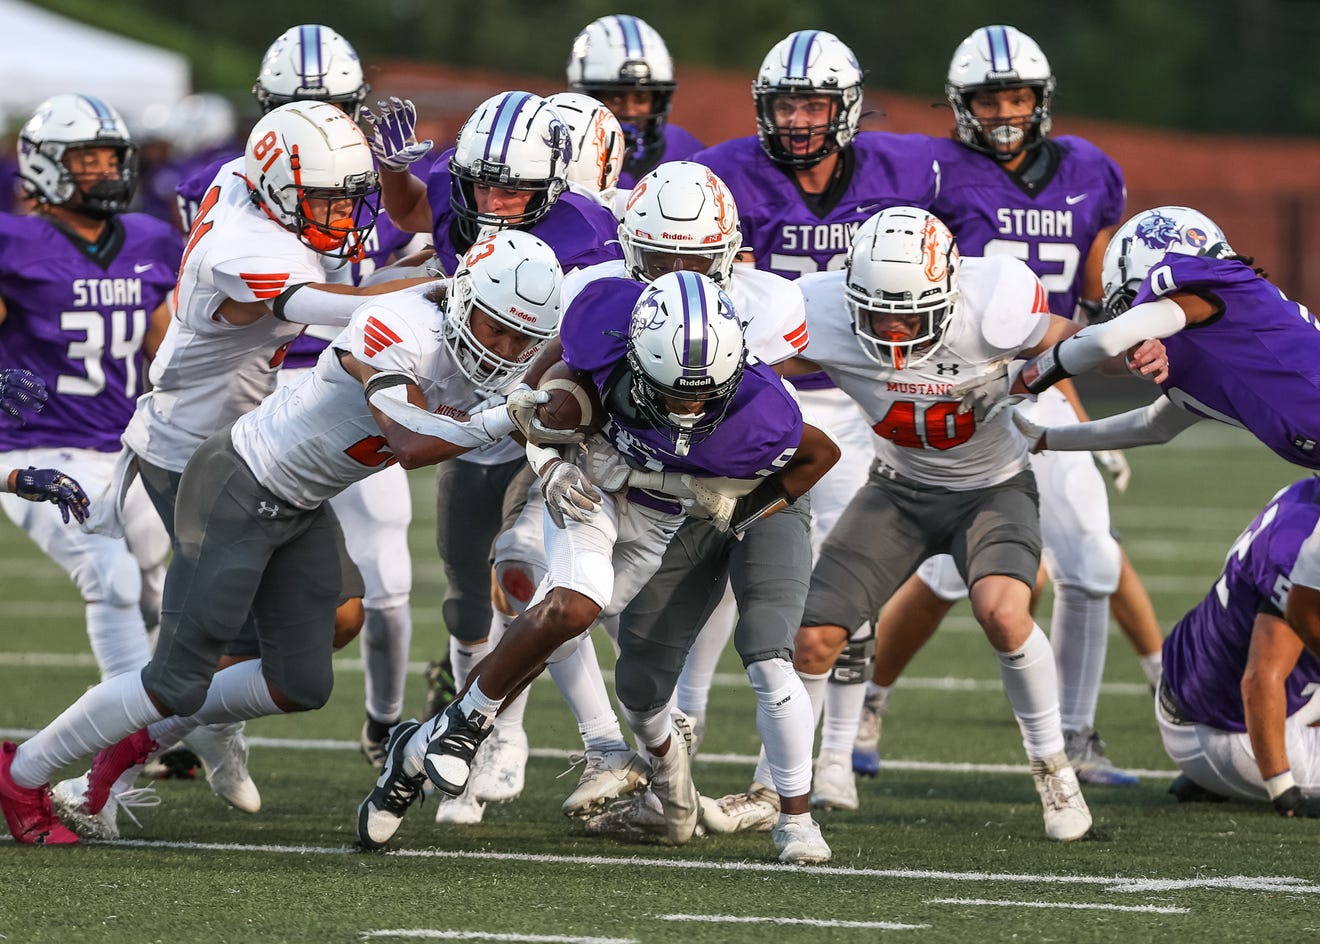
{"x": 461, "y": 810}
{"x": 1067, "y": 816}
{"x": 382, "y": 812}
{"x": 500, "y": 768}
{"x": 635, "y": 816}
{"x": 757, "y": 810}
{"x": 833, "y": 783}
{"x": 671, "y": 782}
{"x": 224, "y": 753}
{"x": 800, "y": 843}
{"x": 607, "y": 776}
{"x": 68, "y": 799}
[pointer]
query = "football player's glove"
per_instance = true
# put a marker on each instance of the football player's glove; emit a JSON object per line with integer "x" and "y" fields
{"x": 568, "y": 493}
{"x": 394, "y": 134}
{"x": 1294, "y": 804}
{"x": 1114, "y": 464}
{"x": 52, "y": 485}
{"x": 987, "y": 396}
{"x": 21, "y": 392}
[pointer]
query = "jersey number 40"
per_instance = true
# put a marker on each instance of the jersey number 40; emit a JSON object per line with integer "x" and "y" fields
{"x": 938, "y": 426}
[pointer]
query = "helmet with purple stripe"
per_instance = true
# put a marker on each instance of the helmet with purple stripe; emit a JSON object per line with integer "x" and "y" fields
{"x": 686, "y": 353}
{"x": 994, "y": 58}
{"x": 621, "y": 54}
{"x": 311, "y": 63}
{"x": 808, "y": 64}
{"x": 69, "y": 123}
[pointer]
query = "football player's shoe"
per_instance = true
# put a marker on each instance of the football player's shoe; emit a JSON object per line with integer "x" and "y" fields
{"x": 502, "y": 770}
{"x": 372, "y": 741}
{"x": 671, "y": 782}
{"x": 756, "y": 810}
{"x": 866, "y": 746}
{"x": 440, "y": 687}
{"x": 1086, "y": 753}
{"x": 380, "y": 814}
{"x": 111, "y": 762}
{"x": 224, "y": 754}
{"x": 179, "y": 763}
{"x": 608, "y": 775}
{"x": 800, "y": 843}
{"x": 455, "y": 738}
{"x": 1067, "y": 816}
{"x": 68, "y": 799}
{"x": 833, "y": 785}
{"x": 462, "y": 810}
{"x": 28, "y": 811}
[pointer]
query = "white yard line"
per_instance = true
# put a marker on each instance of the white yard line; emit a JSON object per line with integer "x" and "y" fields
{"x": 1110, "y": 883}
{"x": 435, "y": 935}
{"x": 1078, "y": 906}
{"x": 429, "y": 934}
{"x": 809, "y": 922}
{"x": 730, "y": 760}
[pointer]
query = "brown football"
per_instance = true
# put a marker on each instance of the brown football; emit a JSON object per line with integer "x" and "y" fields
{"x": 574, "y": 403}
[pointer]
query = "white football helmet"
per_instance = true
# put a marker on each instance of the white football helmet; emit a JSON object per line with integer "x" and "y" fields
{"x": 308, "y": 151}
{"x": 1142, "y": 241}
{"x": 597, "y": 141}
{"x": 680, "y": 212}
{"x": 999, "y": 57}
{"x": 624, "y": 54}
{"x": 808, "y": 62}
{"x": 514, "y": 279}
{"x": 65, "y": 123}
{"x": 514, "y": 141}
{"x": 311, "y": 63}
{"x": 199, "y": 123}
{"x": 685, "y": 344}
{"x": 902, "y": 285}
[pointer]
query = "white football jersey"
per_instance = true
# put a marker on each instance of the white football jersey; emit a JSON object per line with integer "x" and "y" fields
{"x": 315, "y": 437}
{"x": 209, "y": 372}
{"x": 769, "y": 306}
{"x": 1002, "y": 309}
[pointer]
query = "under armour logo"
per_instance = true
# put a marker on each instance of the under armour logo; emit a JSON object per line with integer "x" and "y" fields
{"x": 947, "y": 368}
{"x": 267, "y": 510}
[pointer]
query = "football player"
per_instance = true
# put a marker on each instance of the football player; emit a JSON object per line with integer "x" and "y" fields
{"x": 83, "y": 289}
{"x": 254, "y": 535}
{"x": 888, "y": 330}
{"x": 310, "y": 63}
{"x": 1248, "y": 362}
{"x": 669, "y": 363}
{"x": 1235, "y": 706}
{"x": 803, "y": 185}
{"x": 1053, "y": 202}
{"x": 624, "y": 63}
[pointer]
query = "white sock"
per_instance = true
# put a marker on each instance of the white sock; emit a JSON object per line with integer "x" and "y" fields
{"x": 784, "y": 720}
{"x": 702, "y": 659}
{"x": 118, "y": 637}
{"x": 815, "y": 688}
{"x": 464, "y": 656}
{"x": 478, "y": 701}
{"x": 1032, "y": 686}
{"x": 170, "y": 731}
{"x": 843, "y": 712}
{"x": 1079, "y": 633}
{"x": 583, "y": 686}
{"x": 237, "y": 693}
{"x": 386, "y": 637}
{"x": 1153, "y": 667}
{"x": 651, "y": 727}
{"x": 513, "y": 711}
{"x": 103, "y": 715}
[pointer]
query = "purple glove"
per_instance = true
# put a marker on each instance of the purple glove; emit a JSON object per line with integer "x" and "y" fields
{"x": 21, "y": 390}
{"x": 394, "y": 134}
{"x": 52, "y": 485}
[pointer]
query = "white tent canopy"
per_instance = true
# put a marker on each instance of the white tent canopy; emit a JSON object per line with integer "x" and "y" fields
{"x": 43, "y": 54}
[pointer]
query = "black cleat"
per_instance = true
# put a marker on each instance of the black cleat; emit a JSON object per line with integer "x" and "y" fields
{"x": 454, "y": 743}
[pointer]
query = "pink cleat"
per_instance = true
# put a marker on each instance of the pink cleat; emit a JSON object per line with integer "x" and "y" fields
{"x": 28, "y": 810}
{"x": 110, "y": 763}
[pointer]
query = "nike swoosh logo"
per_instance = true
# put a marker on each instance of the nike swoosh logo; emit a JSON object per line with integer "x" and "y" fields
{"x": 868, "y": 207}
{"x": 142, "y": 268}
{"x": 1075, "y": 198}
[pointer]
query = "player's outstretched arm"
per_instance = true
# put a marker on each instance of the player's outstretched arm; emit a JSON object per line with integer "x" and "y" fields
{"x": 1273, "y": 655}
{"x": 1149, "y": 425}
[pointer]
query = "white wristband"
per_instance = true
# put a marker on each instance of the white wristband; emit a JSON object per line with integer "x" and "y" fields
{"x": 1280, "y": 784}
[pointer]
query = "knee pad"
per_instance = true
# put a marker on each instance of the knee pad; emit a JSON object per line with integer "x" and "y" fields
{"x": 1093, "y": 565}
{"x": 773, "y": 681}
{"x": 568, "y": 648}
{"x": 109, "y": 574}
{"x": 853, "y": 667}
{"x": 308, "y": 688}
{"x": 518, "y": 581}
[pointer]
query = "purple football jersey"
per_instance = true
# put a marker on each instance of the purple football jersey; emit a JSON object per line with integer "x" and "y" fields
{"x": 1257, "y": 365}
{"x": 579, "y": 231}
{"x": 675, "y": 145}
{"x": 791, "y": 238}
{"x": 759, "y": 433}
{"x": 1206, "y": 654}
{"x": 79, "y": 320}
{"x": 1051, "y": 230}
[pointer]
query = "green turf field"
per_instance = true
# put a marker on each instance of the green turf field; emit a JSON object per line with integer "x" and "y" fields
{"x": 948, "y": 844}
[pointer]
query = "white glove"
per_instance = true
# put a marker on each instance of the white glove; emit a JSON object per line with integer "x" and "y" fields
{"x": 667, "y": 483}
{"x": 394, "y": 134}
{"x": 985, "y": 397}
{"x": 567, "y": 492}
{"x": 1033, "y": 433}
{"x": 521, "y": 404}
{"x": 709, "y": 504}
{"x": 1115, "y": 465}
{"x": 604, "y": 465}
{"x": 543, "y": 435}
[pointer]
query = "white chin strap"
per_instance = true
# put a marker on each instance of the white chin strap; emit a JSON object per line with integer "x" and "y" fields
{"x": 688, "y": 421}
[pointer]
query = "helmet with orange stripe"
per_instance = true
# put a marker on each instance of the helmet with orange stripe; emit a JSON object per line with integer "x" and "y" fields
{"x": 310, "y": 169}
